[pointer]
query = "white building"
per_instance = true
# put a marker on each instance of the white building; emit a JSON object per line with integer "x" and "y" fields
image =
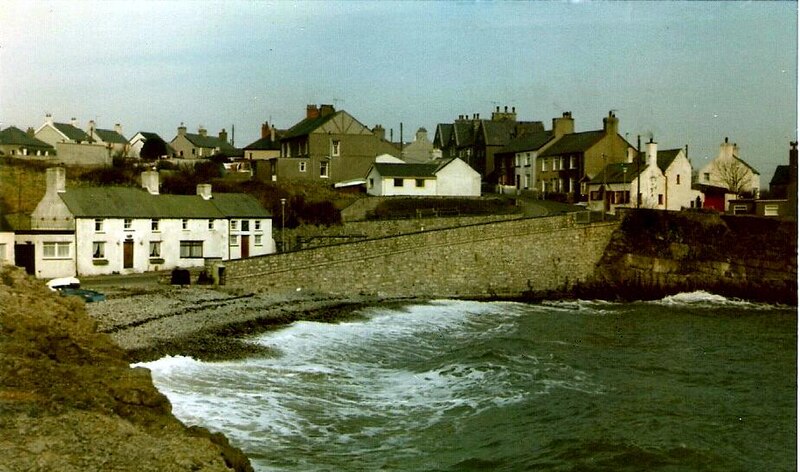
{"x": 729, "y": 171}
{"x": 6, "y": 245}
{"x": 661, "y": 178}
{"x": 447, "y": 177}
{"x": 110, "y": 230}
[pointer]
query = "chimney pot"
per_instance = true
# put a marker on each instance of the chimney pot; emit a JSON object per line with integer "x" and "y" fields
{"x": 204, "y": 190}
{"x": 56, "y": 178}
{"x": 150, "y": 181}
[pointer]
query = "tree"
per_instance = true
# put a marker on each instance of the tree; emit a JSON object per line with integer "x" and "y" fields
{"x": 153, "y": 149}
{"x": 734, "y": 175}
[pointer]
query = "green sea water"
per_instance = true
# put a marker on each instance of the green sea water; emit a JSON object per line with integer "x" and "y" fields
{"x": 689, "y": 383}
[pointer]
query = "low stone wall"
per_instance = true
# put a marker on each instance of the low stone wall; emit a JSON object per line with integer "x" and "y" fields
{"x": 507, "y": 258}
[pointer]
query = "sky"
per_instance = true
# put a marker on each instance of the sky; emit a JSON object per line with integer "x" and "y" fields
{"x": 683, "y": 73}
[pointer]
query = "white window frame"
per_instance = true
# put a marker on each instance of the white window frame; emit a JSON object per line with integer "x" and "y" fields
{"x": 57, "y": 250}
{"x": 128, "y": 224}
{"x": 154, "y": 225}
{"x": 301, "y": 166}
{"x": 257, "y": 225}
{"x": 771, "y": 209}
{"x": 544, "y": 165}
{"x": 155, "y": 249}
{"x": 257, "y": 240}
{"x": 188, "y": 249}
{"x": 184, "y": 224}
{"x": 234, "y": 240}
{"x": 98, "y": 250}
{"x": 234, "y": 225}
{"x": 324, "y": 171}
{"x": 98, "y": 225}
{"x": 336, "y": 148}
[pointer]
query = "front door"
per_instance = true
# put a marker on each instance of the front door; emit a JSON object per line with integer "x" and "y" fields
{"x": 25, "y": 256}
{"x": 127, "y": 254}
{"x": 245, "y": 246}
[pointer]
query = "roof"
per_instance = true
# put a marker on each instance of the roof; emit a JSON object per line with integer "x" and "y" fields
{"x": 528, "y": 142}
{"x": 445, "y": 131}
{"x": 783, "y": 175}
{"x": 71, "y": 132}
{"x": 391, "y": 169}
{"x": 264, "y": 144}
{"x": 663, "y": 158}
{"x": 130, "y": 202}
{"x": 464, "y": 134}
{"x": 13, "y": 135}
{"x": 110, "y": 136}
{"x": 574, "y": 143}
{"x": 308, "y": 125}
{"x": 618, "y": 173}
{"x": 212, "y": 142}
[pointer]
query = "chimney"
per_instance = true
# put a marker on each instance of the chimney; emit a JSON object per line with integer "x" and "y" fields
{"x": 181, "y": 129}
{"x": 727, "y": 150}
{"x": 202, "y": 131}
{"x": 272, "y": 133}
{"x": 223, "y": 136}
{"x": 611, "y": 124}
{"x": 379, "y": 132}
{"x": 422, "y": 135}
{"x": 204, "y": 190}
{"x": 312, "y": 112}
{"x": 264, "y": 130}
{"x": 150, "y": 181}
{"x": 793, "y": 157}
{"x": 563, "y": 125}
{"x": 48, "y": 118}
{"x": 118, "y": 128}
{"x": 651, "y": 151}
{"x": 325, "y": 110}
{"x": 73, "y": 121}
{"x": 56, "y": 178}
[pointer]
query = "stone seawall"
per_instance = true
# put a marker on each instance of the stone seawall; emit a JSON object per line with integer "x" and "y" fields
{"x": 500, "y": 259}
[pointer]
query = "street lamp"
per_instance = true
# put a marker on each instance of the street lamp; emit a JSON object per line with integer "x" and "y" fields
{"x": 283, "y": 225}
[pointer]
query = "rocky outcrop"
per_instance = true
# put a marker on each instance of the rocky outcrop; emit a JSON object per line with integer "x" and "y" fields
{"x": 654, "y": 253}
{"x": 70, "y": 402}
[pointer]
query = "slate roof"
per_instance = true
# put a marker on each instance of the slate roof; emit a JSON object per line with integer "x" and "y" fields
{"x": 71, "y": 132}
{"x": 574, "y": 143}
{"x": 14, "y": 135}
{"x": 387, "y": 169}
{"x": 308, "y": 125}
{"x": 527, "y": 142}
{"x": 464, "y": 134}
{"x": 129, "y": 202}
{"x": 783, "y": 175}
{"x": 264, "y": 144}
{"x": 445, "y": 132}
{"x": 110, "y": 136}
{"x": 617, "y": 173}
{"x": 663, "y": 158}
{"x": 211, "y": 142}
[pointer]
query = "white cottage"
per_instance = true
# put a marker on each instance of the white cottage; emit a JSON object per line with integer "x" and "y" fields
{"x": 729, "y": 171}
{"x": 445, "y": 177}
{"x": 119, "y": 230}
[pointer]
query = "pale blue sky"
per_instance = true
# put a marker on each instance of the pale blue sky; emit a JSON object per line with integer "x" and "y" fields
{"x": 689, "y": 73}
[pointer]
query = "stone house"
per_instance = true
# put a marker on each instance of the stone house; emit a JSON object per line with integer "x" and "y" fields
{"x": 107, "y": 230}
{"x": 420, "y": 150}
{"x": 17, "y": 143}
{"x": 571, "y": 161}
{"x": 729, "y": 171}
{"x": 328, "y": 146}
{"x": 200, "y": 145}
{"x": 476, "y": 141}
{"x": 445, "y": 177}
{"x": 112, "y": 139}
{"x": 73, "y": 146}
{"x": 662, "y": 179}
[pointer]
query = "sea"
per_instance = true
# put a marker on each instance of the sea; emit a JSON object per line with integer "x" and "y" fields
{"x": 692, "y": 382}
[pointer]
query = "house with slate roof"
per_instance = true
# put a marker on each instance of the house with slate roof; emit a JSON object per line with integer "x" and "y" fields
{"x": 17, "y": 143}
{"x": 476, "y": 141}
{"x": 266, "y": 147}
{"x": 122, "y": 230}
{"x": 570, "y": 162}
{"x": 444, "y": 177}
{"x": 661, "y": 179}
{"x": 731, "y": 172}
{"x": 328, "y": 146}
{"x": 200, "y": 145}
{"x": 112, "y": 139}
{"x": 73, "y": 146}
{"x": 782, "y": 201}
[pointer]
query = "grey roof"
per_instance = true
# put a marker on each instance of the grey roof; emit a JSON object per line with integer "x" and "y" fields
{"x": 264, "y": 144}
{"x": 574, "y": 143}
{"x": 618, "y": 173}
{"x": 445, "y": 132}
{"x": 212, "y": 142}
{"x": 71, "y": 132}
{"x": 392, "y": 169}
{"x": 308, "y": 125}
{"x": 13, "y": 135}
{"x": 110, "y": 136}
{"x": 527, "y": 142}
{"x": 130, "y": 202}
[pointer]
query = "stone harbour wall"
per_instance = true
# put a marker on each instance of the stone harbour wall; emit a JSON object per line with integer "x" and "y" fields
{"x": 499, "y": 259}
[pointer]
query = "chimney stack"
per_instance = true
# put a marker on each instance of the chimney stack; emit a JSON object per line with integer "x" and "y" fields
{"x": 56, "y": 180}
{"x": 651, "y": 151}
{"x": 223, "y": 136}
{"x": 73, "y": 121}
{"x": 118, "y": 128}
{"x": 379, "y": 132}
{"x": 325, "y": 110}
{"x": 150, "y": 181}
{"x": 611, "y": 124}
{"x": 48, "y": 118}
{"x": 272, "y": 133}
{"x": 202, "y": 131}
{"x": 563, "y": 125}
{"x": 312, "y": 112}
{"x": 264, "y": 130}
{"x": 181, "y": 129}
{"x": 793, "y": 157}
{"x": 204, "y": 190}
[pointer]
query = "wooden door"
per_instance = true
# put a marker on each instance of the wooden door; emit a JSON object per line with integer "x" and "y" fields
{"x": 245, "y": 246}
{"x": 127, "y": 254}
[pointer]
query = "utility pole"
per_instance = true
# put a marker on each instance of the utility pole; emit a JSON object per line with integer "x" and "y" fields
{"x": 283, "y": 225}
{"x": 638, "y": 170}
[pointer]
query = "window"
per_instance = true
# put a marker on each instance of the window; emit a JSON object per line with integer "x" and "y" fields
{"x": 517, "y": 160}
{"x": 527, "y": 158}
{"x": 706, "y": 176}
{"x": 573, "y": 162}
{"x": 245, "y": 225}
{"x": 98, "y": 225}
{"x": 155, "y": 248}
{"x": 210, "y": 224}
{"x": 398, "y": 182}
{"x": 257, "y": 240}
{"x": 660, "y": 198}
{"x": 555, "y": 163}
{"x": 191, "y": 249}
{"x": 323, "y": 170}
{"x": 771, "y": 209}
{"x": 301, "y": 166}
{"x": 128, "y": 224}
{"x": 371, "y": 183}
{"x": 98, "y": 250}
{"x": 258, "y": 225}
{"x": 527, "y": 181}
{"x": 561, "y": 164}
{"x": 185, "y": 223}
{"x": 154, "y": 224}
{"x": 234, "y": 240}
{"x": 335, "y": 145}
{"x": 420, "y": 183}
{"x": 234, "y": 225}
{"x": 678, "y": 179}
{"x": 55, "y": 250}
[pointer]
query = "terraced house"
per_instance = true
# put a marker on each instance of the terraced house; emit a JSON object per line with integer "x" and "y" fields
{"x": 120, "y": 230}
{"x": 17, "y": 143}
{"x": 201, "y": 145}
